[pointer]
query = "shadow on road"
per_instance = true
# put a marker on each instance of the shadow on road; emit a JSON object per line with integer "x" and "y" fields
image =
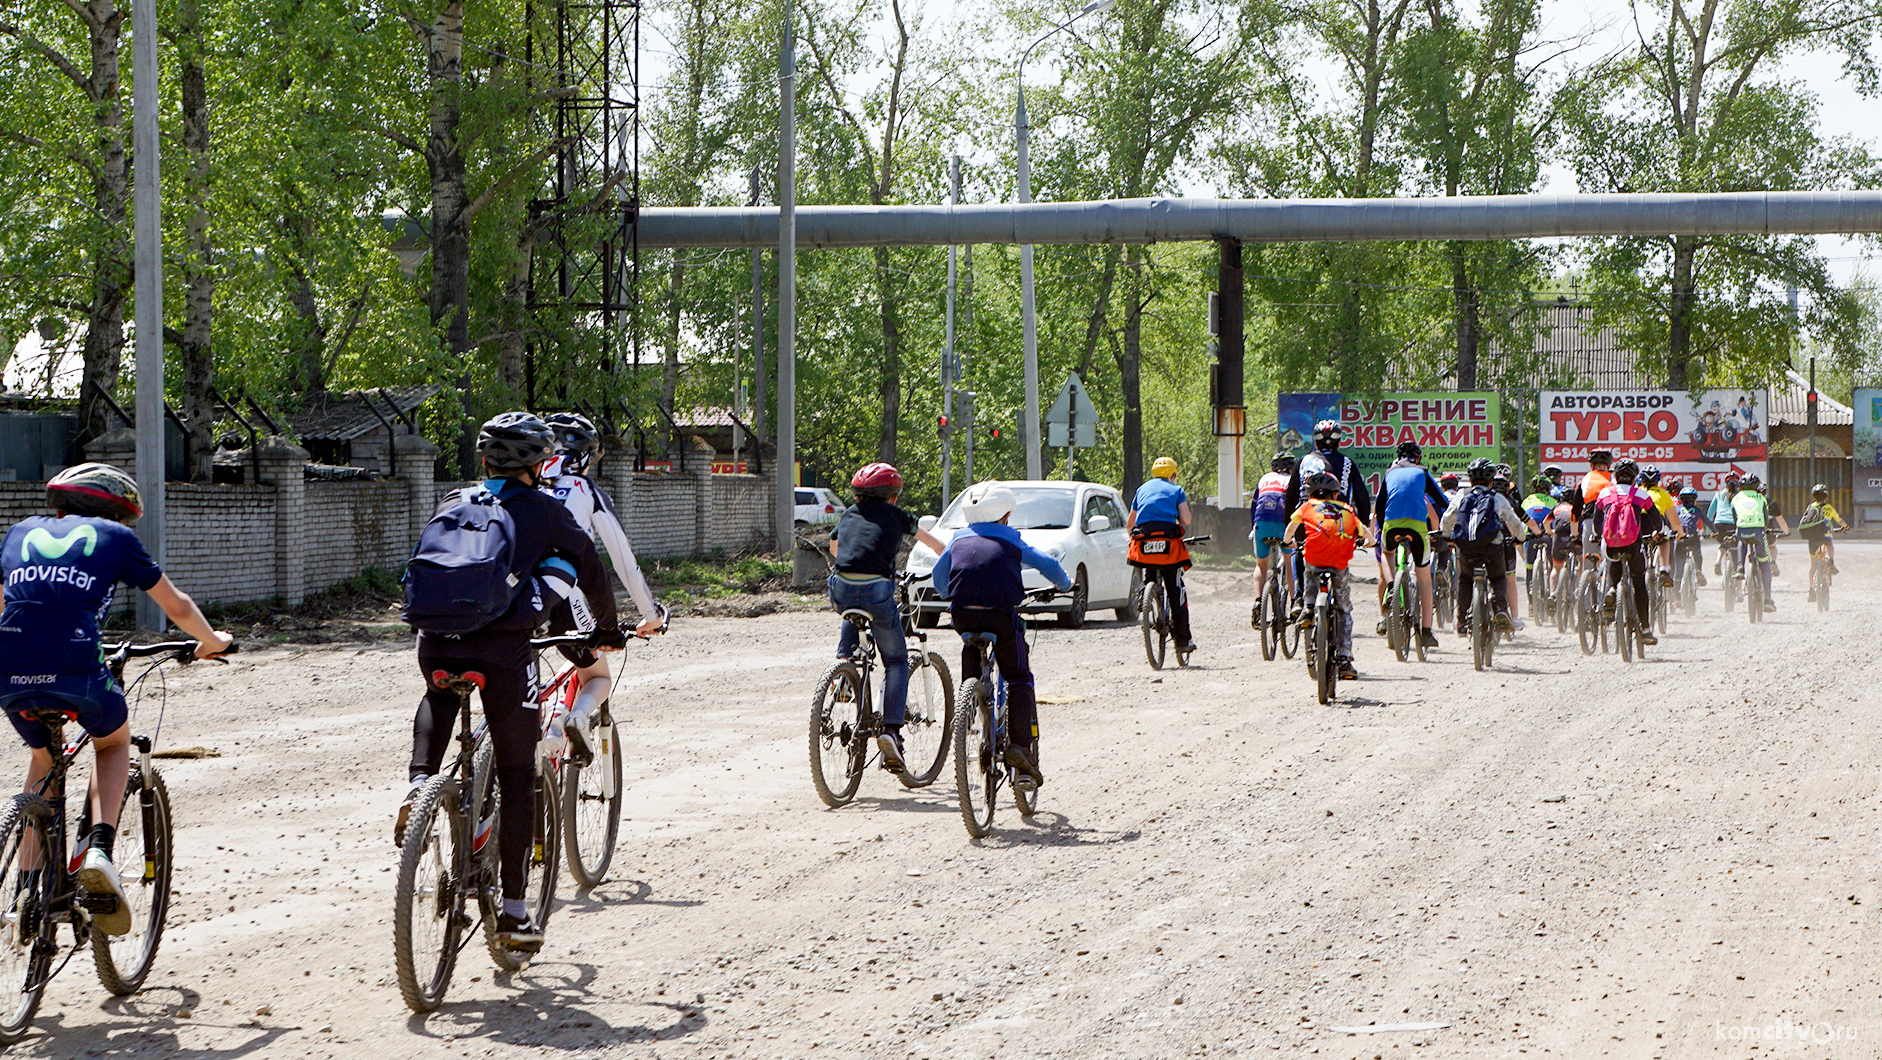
{"x": 548, "y": 1011}
{"x": 149, "y": 1023}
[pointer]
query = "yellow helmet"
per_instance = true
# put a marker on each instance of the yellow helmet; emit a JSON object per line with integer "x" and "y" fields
{"x": 1163, "y": 468}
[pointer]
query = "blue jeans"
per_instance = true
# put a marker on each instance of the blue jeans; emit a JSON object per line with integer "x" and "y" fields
{"x": 877, "y": 598}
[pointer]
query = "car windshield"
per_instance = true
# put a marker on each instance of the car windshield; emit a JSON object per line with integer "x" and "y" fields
{"x": 1040, "y": 508}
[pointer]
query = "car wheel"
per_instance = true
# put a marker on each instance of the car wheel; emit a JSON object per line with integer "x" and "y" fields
{"x": 1081, "y": 598}
{"x": 1128, "y": 613}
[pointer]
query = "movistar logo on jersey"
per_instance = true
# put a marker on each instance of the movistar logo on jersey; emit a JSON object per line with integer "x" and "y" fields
{"x": 40, "y": 540}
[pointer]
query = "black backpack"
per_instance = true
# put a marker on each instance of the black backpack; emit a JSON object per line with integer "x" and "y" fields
{"x": 462, "y": 575}
{"x": 1476, "y": 517}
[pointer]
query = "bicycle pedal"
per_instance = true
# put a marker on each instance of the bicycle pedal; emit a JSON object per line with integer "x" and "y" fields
{"x": 1023, "y": 782}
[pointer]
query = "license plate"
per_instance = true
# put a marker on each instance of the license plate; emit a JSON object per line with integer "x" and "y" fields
{"x": 1156, "y": 548}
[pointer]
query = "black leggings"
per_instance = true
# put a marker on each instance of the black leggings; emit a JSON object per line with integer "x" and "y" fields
{"x": 1177, "y": 597}
{"x": 1009, "y": 653}
{"x": 509, "y": 667}
{"x": 1631, "y": 564}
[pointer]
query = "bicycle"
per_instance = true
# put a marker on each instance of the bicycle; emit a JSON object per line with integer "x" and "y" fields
{"x": 589, "y": 784}
{"x": 1271, "y": 611}
{"x": 1658, "y": 577}
{"x": 1321, "y": 663}
{"x": 449, "y": 855}
{"x": 1402, "y": 628}
{"x": 1733, "y": 587}
{"x": 1590, "y": 590}
{"x": 33, "y": 836}
{"x": 1746, "y": 569}
{"x": 1820, "y": 585}
{"x": 981, "y": 739}
{"x": 1443, "y": 582}
{"x": 844, "y": 719}
{"x": 1482, "y": 624}
{"x": 1689, "y": 582}
{"x": 1536, "y": 577}
{"x": 1562, "y": 602}
{"x": 1628, "y": 623}
{"x": 1153, "y": 617}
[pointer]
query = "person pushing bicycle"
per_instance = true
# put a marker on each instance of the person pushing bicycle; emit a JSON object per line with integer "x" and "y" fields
{"x": 549, "y": 556}
{"x": 866, "y": 543}
{"x": 981, "y": 574}
{"x": 569, "y": 479}
{"x": 59, "y": 572}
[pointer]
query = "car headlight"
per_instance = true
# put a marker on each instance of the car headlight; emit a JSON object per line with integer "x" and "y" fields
{"x": 921, "y": 560}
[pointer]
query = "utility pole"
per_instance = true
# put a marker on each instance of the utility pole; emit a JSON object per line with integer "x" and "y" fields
{"x": 948, "y": 376}
{"x": 757, "y": 330}
{"x": 148, "y": 235}
{"x": 787, "y": 288}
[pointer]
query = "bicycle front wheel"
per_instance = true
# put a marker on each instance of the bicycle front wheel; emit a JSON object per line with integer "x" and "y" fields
{"x": 976, "y": 776}
{"x": 428, "y": 907}
{"x": 1154, "y": 622}
{"x": 836, "y": 752}
{"x": 929, "y": 727}
{"x": 27, "y": 939}
{"x": 591, "y": 804}
{"x": 144, "y": 856}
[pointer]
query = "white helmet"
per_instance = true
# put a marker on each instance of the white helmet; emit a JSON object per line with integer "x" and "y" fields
{"x": 989, "y": 503}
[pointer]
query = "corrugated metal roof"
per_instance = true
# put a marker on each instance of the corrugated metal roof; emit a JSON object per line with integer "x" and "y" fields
{"x": 1566, "y": 352}
{"x": 342, "y": 417}
{"x": 1791, "y": 405}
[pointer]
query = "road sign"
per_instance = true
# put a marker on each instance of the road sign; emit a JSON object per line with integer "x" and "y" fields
{"x": 1073, "y": 419}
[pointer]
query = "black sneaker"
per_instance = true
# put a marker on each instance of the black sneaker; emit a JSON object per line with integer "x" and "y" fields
{"x": 1026, "y": 760}
{"x": 518, "y": 933}
{"x": 1504, "y": 624}
{"x": 1381, "y": 628}
{"x": 890, "y": 744}
{"x": 1647, "y": 638}
{"x": 1427, "y": 638}
{"x": 1699, "y": 579}
{"x": 1347, "y": 673}
{"x": 1254, "y": 617}
{"x": 1769, "y": 606}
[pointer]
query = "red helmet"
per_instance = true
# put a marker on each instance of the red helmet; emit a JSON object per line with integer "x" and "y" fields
{"x": 877, "y": 476}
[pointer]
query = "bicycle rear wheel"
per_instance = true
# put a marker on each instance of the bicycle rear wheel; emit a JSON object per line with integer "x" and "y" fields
{"x": 1327, "y": 674}
{"x": 836, "y": 749}
{"x": 1154, "y": 622}
{"x": 930, "y": 725}
{"x": 1264, "y": 617}
{"x": 428, "y": 917}
{"x": 976, "y": 780}
{"x": 27, "y": 939}
{"x": 1754, "y": 594}
{"x": 1288, "y": 632}
{"x": 591, "y": 804}
{"x": 143, "y": 860}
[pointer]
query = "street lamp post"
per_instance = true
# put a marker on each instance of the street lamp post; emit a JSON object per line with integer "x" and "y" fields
{"x": 1029, "y": 329}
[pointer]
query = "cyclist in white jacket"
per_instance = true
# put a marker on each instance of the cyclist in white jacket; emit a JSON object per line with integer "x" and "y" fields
{"x": 577, "y": 446}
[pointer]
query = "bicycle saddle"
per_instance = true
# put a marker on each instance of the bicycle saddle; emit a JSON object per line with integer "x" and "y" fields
{"x": 448, "y": 681}
{"x": 859, "y": 618}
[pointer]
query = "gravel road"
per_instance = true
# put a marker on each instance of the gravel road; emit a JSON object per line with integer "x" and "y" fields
{"x": 1570, "y": 856}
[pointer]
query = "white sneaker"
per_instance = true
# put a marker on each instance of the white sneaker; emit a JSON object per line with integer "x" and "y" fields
{"x": 580, "y": 736}
{"x": 96, "y": 875}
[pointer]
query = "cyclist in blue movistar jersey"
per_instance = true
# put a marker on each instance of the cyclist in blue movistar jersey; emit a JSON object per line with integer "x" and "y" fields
{"x": 1410, "y": 503}
{"x": 60, "y": 571}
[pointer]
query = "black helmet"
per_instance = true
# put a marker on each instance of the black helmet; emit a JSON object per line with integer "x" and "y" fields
{"x": 515, "y": 442}
{"x": 1626, "y": 470}
{"x": 1283, "y": 463}
{"x": 576, "y": 439}
{"x": 1820, "y": 490}
{"x": 1600, "y": 456}
{"x": 97, "y": 490}
{"x": 1481, "y": 471}
{"x": 1320, "y": 483}
{"x": 1328, "y": 434}
{"x": 1411, "y": 451}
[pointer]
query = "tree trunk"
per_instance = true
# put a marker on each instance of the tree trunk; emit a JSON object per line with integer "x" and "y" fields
{"x": 111, "y": 181}
{"x": 306, "y": 337}
{"x": 198, "y": 255}
{"x": 891, "y": 358}
{"x": 1100, "y": 310}
{"x": 450, "y": 234}
{"x": 515, "y": 341}
{"x": 1679, "y": 317}
{"x": 1129, "y": 361}
{"x": 670, "y": 366}
{"x": 1466, "y": 312}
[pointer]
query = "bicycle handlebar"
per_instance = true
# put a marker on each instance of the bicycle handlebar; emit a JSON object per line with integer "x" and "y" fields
{"x": 184, "y": 650}
{"x": 1199, "y": 538}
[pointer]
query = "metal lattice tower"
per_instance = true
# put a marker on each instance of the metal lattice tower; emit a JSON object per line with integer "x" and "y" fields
{"x": 587, "y": 262}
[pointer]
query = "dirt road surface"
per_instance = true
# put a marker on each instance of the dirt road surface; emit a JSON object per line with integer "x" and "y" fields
{"x": 1567, "y": 857}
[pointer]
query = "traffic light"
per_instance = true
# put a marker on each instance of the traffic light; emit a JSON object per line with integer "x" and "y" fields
{"x": 964, "y": 409}
{"x": 941, "y": 426}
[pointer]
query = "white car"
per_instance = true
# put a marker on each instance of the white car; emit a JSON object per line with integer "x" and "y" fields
{"x": 1080, "y": 524}
{"x": 816, "y": 506}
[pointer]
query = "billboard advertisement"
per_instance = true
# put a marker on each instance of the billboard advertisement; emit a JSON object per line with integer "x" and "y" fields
{"x": 1694, "y": 436}
{"x": 1866, "y": 476}
{"x": 1453, "y": 427}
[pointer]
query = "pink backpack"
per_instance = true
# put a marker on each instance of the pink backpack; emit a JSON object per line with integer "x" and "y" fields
{"x": 1620, "y": 525}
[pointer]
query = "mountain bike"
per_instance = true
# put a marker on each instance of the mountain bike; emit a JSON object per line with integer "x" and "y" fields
{"x": 1403, "y": 630}
{"x": 1628, "y": 623}
{"x": 1271, "y": 611}
{"x": 1153, "y": 617}
{"x": 1536, "y": 580}
{"x": 1659, "y": 601}
{"x": 1482, "y": 620}
{"x": 1320, "y": 639}
{"x": 450, "y": 856}
{"x": 1733, "y": 585}
{"x": 1689, "y": 583}
{"x": 40, "y": 896}
{"x": 1443, "y": 582}
{"x": 1563, "y": 598}
{"x": 1747, "y": 565}
{"x": 588, "y": 780}
{"x": 1590, "y": 590}
{"x": 1820, "y": 585}
{"x": 981, "y": 738}
{"x": 845, "y": 720}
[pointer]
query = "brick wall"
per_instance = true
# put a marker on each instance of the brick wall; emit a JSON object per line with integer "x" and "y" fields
{"x": 353, "y": 525}
{"x": 219, "y": 547}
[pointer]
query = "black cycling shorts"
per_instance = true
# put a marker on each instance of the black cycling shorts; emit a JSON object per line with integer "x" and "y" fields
{"x": 1414, "y": 541}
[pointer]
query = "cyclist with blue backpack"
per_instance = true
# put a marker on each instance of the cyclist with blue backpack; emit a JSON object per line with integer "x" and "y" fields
{"x": 487, "y": 569}
{"x": 1479, "y": 522}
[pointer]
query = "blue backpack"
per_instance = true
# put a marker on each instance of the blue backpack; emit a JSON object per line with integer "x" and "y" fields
{"x": 1476, "y": 518}
{"x": 462, "y": 575}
